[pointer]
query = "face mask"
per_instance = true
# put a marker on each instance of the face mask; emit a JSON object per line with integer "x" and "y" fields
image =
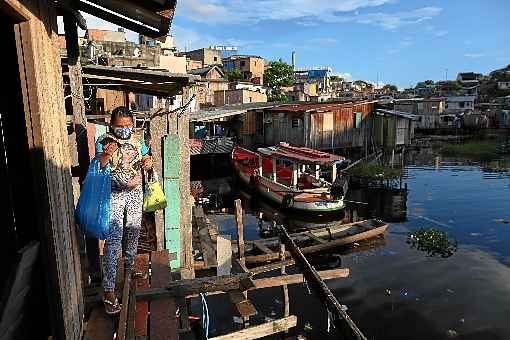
{"x": 123, "y": 133}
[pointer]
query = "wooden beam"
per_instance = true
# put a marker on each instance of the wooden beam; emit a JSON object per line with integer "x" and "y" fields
{"x": 142, "y": 307}
{"x": 285, "y": 288}
{"x": 223, "y": 255}
{"x": 243, "y": 305}
{"x": 208, "y": 251}
{"x": 342, "y": 321}
{"x": 298, "y": 278}
{"x": 262, "y": 247}
{"x": 196, "y": 286}
{"x": 316, "y": 238}
{"x": 271, "y": 266}
{"x": 123, "y": 320}
{"x": 240, "y": 230}
{"x": 260, "y": 331}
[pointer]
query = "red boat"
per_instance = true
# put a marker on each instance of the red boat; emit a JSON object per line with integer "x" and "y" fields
{"x": 290, "y": 176}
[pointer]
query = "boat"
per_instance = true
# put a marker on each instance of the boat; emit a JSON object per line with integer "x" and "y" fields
{"x": 316, "y": 240}
{"x": 291, "y": 176}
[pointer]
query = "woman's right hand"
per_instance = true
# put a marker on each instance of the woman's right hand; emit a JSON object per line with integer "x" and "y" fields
{"x": 107, "y": 153}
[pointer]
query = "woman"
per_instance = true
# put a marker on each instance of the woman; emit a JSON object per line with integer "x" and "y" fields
{"x": 127, "y": 154}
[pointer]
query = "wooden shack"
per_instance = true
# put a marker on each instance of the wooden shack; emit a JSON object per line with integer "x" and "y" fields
{"x": 318, "y": 126}
{"x": 393, "y": 128}
{"x": 42, "y": 281}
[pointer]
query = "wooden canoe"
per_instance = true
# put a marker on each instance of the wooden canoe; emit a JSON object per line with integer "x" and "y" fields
{"x": 316, "y": 240}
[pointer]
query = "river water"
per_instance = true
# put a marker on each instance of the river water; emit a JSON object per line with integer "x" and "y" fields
{"x": 395, "y": 291}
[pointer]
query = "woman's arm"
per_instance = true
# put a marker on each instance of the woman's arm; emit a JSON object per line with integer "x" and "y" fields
{"x": 105, "y": 156}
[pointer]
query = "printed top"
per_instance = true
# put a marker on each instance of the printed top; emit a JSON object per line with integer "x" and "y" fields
{"x": 126, "y": 161}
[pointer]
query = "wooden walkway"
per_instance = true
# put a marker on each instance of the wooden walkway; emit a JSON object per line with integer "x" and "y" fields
{"x": 140, "y": 320}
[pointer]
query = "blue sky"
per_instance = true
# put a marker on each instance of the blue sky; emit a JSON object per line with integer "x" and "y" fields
{"x": 402, "y": 41}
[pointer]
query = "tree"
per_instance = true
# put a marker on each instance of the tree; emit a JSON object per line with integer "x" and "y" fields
{"x": 234, "y": 75}
{"x": 390, "y": 88}
{"x": 278, "y": 75}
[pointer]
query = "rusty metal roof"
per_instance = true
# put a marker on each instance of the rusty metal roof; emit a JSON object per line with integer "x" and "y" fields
{"x": 317, "y": 107}
{"x": 300, "y": 154}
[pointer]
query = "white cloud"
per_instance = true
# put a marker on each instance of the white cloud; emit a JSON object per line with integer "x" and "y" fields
{"x": 390, "y": 21}
{"x": 237, "y": 11}
{"x": 324, "y": 40}
{"x": 188, "y": 39}
{"x": 474, "y": 55}
{"x": 441, "y": 33}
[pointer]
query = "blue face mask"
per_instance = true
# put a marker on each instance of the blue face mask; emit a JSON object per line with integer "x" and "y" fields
{"x": 123, "y": 133}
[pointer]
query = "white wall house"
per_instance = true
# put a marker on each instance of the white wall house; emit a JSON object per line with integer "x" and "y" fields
{"x": 504, "y": 85}
{"x": 459, "y": 104}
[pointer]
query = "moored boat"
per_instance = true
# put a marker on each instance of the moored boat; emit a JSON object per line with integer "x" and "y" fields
{"x": 290, "y": 176}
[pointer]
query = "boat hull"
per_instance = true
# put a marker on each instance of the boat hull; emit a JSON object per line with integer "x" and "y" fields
{"x": 276, "y": 192}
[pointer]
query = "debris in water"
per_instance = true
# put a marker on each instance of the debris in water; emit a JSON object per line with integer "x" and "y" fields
{"x": 388, "y": 292}
{"x": 475, "y": 234}
{"x": 308, "y": 327}
{"x": 433, "y": 241}
{"x": 451, "y": 291}
{"x": 452, "y": 333}
{"x": 500, "y": 220}
{"x": 462, "y": 320}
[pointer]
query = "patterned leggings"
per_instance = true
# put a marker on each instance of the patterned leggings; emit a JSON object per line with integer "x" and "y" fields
{"x": 125, "y": 206}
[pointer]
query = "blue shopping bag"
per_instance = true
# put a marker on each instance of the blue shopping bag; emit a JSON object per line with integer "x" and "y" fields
{"x": 92, "y": 212}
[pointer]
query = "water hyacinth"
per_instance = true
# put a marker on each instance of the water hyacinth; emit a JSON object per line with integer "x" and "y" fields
{"x": 433, "y": 241}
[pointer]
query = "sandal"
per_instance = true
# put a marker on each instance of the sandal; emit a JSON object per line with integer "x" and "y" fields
{"x": 112, "y": 308}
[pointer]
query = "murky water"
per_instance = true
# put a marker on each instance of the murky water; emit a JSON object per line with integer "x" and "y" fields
{"x": 395, "y": 292}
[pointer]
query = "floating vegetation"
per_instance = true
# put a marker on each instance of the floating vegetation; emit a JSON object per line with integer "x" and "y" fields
{"x": 376, "y": 171}
{"x": 481, "y": 149}
{"x": 434, "y": 241}
{"x": 502, "y": 165}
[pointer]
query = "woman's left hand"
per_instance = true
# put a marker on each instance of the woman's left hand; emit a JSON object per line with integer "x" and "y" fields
{"x": 147, "y": 163}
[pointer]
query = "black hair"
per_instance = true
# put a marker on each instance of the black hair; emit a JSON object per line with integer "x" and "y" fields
{"x": 121, "y": 111}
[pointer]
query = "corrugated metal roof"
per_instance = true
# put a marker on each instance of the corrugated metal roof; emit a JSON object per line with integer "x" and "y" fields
{"x": 300, "y": 154}
{"x": 402, "y": 114}
{"x": 215, "y": 113}
{"x": 309, "y": 107}
{"x": 210, "y": 146}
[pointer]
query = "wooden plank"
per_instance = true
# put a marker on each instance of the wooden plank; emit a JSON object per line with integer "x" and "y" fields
{"x": 208, "y": 251}
{"x": 316, "y": 238}
{"x": 243, "y": 305}
{"x": 163, "y": 322}
{"x": 44, "y": 115}
{"x": 223, "y": 255}
{"x": 271, "y": 266}
{"x": 285, "y": 288}
{"x": 100, "y": 326}
{"x": 123, "y": 318}
{"x": 194, "y": 286}
{"x": 142, "y": 307}
{"x": 298, "y": 278}
{"x": 262, "y": 247}
{"x": 240, "y": 229}
{"x": 260, "y": 331}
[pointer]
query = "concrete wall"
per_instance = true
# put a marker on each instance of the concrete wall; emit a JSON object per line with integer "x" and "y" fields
{"x": 241, "y": 96}
{"x": 173, "y": 63}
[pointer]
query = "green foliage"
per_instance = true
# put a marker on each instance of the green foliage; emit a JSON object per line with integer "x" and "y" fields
{"x": 481, "y": 150}
{"x": 234, "y": 75}
{"x": 279, "y": 74}
{"x": 336, "y": 78}
{"x": 433, "y": 241}
{"x": 390, "y": 88}
{"x": 375, "y": 171}
{"x": 277, "y": 96}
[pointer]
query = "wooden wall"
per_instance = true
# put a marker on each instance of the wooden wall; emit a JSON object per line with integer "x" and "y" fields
{"x": 43, "y": 101}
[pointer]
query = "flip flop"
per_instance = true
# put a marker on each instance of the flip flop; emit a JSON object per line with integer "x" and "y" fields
{"x": 115, "y": 307}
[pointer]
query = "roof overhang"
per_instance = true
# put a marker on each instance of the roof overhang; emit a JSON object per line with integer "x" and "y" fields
{"x": 157, "y": 83}
{"x": 149, "y": 17}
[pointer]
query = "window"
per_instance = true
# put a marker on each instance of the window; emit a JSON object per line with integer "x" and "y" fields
{"x": 215, "y": 58}
{"x": 243, "y": 63}
{"x": 461, "y": 104}
{"x": 295, "y": 123}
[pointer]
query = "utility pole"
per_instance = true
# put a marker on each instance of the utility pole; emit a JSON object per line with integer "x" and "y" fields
{"x": 446, "y": 77}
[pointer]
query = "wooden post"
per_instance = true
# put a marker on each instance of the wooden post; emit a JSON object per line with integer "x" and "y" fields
{"x": 240, "y": 230}
{"x": 77, "y": 98}
{"x": 333, "y": 173}
{"x": 294, "y": 174}
{"x": 285, "y": 288}
{"x": 260, "y": 166}
{"x": 223, "y": 255}
{"x": 392, "y": 157}
{"x": 317, "y": 171}
{"x": 274, "y": 169}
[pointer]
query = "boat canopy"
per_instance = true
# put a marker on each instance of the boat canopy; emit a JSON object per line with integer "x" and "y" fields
{"x": 300, "y": 155}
